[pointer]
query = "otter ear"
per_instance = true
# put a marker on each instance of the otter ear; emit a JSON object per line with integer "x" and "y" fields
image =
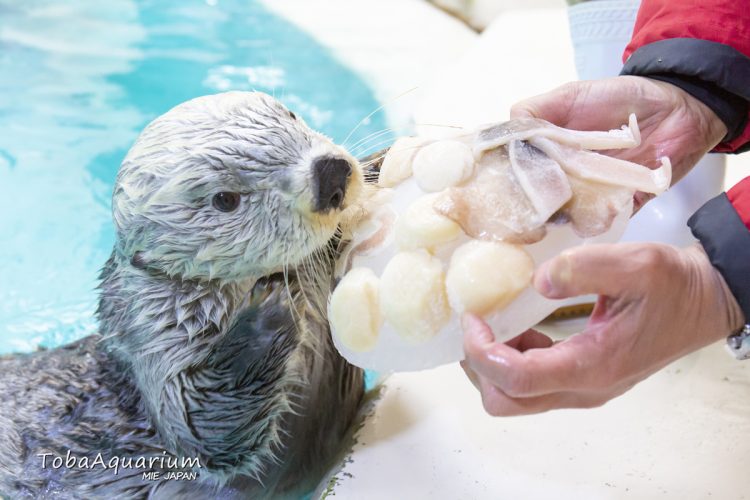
{"x": 138, "y": 260}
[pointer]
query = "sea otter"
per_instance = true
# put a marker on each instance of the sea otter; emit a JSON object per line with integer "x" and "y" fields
{"x": 213, "y": 342}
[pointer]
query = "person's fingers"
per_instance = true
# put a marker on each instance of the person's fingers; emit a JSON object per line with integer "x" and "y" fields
{"x": 553, "y": 106}
{"x": 478, "y": 328}
{"x": 611, "y": 270}
{"x": 499, "y": 404}
{"x": 530, "y": 339}
{"x": 639, "y": 199}
{"x": 578, "y": 105}
{"x": 574, "y": 364}
{"x": 473, "y": 378}
{"x": 584, "y": 361}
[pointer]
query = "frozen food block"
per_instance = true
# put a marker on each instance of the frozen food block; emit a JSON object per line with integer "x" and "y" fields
{"x": 474, "y": 244}
{"x": 525, "y": 128}
{"x": 397, "y": 164}
{"x": 485, "y": 276}
{"x": 541, "y": 178}
{"x": 493, "y": 205}
{"x": 354, "y": 310}
{"x": 412, "y": 291}
{"x": 443, "y": 164}
{"x": 421, "y": 226}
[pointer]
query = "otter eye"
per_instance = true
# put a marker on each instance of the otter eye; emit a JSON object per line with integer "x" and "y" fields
{"x": 226, "y": 202}
{"x": 294, "y": 117}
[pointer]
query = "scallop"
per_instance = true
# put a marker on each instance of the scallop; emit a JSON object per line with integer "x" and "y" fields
{"x": 443, "y": 164}
{"x": 354, "y": 311}
{"x": 485, "y": 276}
{"x": 421, "y": 226}
{"x": 413, "y": 298}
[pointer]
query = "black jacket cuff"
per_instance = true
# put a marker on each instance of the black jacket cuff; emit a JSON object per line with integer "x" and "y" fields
{"x": 731, "y": 109}
{"x": 726, "y": 241}
{"x": 716, "y": 74}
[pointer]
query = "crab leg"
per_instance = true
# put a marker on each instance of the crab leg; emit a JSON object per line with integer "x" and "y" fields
{"x": 628, "y": 136}
{"x": 606, "y": 169}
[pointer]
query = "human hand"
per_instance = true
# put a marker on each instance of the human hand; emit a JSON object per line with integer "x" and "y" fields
{"x": 673, "y": 123}
{"x": 656, "y": 304}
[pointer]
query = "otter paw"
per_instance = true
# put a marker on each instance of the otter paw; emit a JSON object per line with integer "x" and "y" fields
{"x": 397, "y": 164}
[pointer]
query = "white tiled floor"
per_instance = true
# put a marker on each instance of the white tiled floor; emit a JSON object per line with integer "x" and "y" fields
{"x": 680, "y": 434}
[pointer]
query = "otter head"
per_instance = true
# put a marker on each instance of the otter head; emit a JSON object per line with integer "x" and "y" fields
{"x": 230, "y": 186}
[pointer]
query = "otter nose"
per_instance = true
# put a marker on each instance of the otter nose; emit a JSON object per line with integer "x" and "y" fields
{"x": 330, "y": 176}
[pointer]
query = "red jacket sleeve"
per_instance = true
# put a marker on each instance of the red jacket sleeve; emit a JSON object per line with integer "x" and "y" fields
{"x": 739, "y": 197}
{"x": 703, "y": 47}
{"x": 725, "y": 22}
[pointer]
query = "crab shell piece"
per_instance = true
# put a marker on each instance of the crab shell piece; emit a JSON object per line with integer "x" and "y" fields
{"x": 493, "y": 205}
{"x": 543, "y": 181}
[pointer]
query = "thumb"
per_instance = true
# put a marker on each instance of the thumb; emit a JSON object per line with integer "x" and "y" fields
{"x": 554, "y": 106}
{"x": 533, "y": 107}
{"x": 523, "y": 109}
{"x": 601, "y": 269}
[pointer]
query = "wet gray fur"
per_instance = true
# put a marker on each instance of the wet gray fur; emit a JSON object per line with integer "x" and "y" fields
{"x": 213, "y": 335}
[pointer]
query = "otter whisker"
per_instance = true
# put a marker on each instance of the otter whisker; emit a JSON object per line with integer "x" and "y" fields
{"x": 438, "y": 125}
{"x": 371, "y": 137}
{"x": 363, "y": 120}
{"x": 375, "y": 146}
{"x": 373, "y": 160}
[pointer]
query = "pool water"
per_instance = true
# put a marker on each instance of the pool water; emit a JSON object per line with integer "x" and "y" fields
{"x": 78, "y": 81}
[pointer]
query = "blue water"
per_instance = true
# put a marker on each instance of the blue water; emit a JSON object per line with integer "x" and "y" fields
{"x": 78, "y": 81}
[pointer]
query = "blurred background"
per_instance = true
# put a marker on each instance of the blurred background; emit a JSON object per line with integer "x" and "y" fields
{"x": 78, "y": 81}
